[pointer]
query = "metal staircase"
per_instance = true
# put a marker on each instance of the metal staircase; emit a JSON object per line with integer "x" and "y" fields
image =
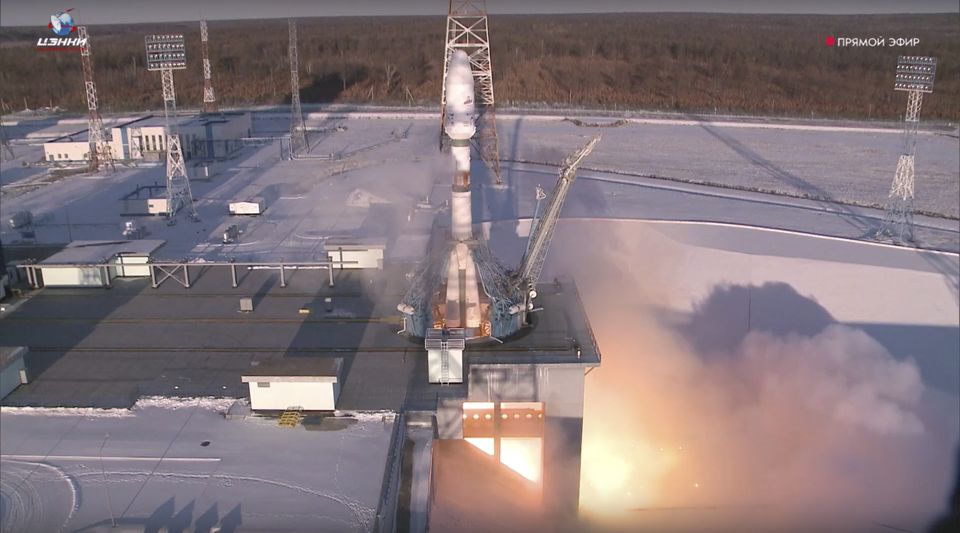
{"x": 291, "y": 417}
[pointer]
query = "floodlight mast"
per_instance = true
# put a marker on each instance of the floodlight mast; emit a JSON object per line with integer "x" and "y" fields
{"x": 915, "y": 75}
{"x": 298, "y": 128}
{"x": 467, "y": 30}
{"x": 101, "y": 154}
{"x": 167, "y": 53}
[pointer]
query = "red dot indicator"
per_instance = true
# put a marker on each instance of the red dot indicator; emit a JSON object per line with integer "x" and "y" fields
{"x": 831, "y": 40}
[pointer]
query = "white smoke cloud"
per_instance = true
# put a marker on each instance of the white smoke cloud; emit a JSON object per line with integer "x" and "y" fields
{"x": 781, "y": 432}
{"x": 840, "y": 372}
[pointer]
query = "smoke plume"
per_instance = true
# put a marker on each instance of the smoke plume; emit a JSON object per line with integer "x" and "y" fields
{"x": 792, "y": 432}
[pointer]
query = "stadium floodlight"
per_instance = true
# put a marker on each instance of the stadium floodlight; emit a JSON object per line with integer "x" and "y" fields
{"x": 915, "y": 73}
{"x": 165, "y": 52}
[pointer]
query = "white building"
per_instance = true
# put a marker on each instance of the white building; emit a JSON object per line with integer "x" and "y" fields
{"x": 204, "y": 136}
{"x": 251, "y": 206}
{"x": 307, "y": 383}
{"x": 97, "y": 263}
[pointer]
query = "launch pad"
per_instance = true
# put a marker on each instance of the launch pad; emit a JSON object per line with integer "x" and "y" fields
{"x": 134, "y": 340}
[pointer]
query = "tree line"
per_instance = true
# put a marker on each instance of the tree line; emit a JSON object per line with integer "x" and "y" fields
{"x": 697, "y": 63}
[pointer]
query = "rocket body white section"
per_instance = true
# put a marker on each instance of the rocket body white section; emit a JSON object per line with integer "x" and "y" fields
{"x": 452, "y": 313}
{"x": 460, "y": 113}
{"x": 461, "y": 215}
{"x": 461, "y": 155}
{"x": 463, "y": 290}
{"x": 472, "y": 290}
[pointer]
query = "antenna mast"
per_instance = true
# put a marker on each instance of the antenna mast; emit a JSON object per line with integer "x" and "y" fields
{"x": 101, "y": 154}
{"x": 209, "y": 97}
{"x": 298, "y": 128}
{"x": 467, "y": 30}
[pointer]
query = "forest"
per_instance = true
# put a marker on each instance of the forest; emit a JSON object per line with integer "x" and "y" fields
{"x": 776, "y": 65}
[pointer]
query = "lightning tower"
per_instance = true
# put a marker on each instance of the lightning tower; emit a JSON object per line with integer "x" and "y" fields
{"x": 101, "y": 155}
{"x": 915, "y": 75}
{"x": 209, "y": 97}
{"x": 166, "y": 53}
{"x": 298, "y": 128}
{"x": 467, "y": 30}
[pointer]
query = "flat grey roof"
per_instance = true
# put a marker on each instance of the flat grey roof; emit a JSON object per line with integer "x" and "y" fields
{"x": 93, "y": 252}
{"x": 324, "y": 369}
{"x": 94, "y": 347}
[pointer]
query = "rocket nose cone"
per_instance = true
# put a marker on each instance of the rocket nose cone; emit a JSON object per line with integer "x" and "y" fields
{"x": 459, "y": 96}
{"x": 459, "y": 70}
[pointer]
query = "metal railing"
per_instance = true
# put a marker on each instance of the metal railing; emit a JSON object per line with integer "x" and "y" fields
{"x": 179, "y": 271}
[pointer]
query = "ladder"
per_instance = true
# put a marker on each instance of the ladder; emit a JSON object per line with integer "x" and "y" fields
{"x": 444, "y": 362}
{"x": 291, "y": 417}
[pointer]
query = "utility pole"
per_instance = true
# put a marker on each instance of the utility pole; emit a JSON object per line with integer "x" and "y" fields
{"x": 6, "y": 152}
{"x": 166, "y": 53}
{"x": 209, "y": 97}
{"x": 101, "y": 154}
{"x": 467, "y": 30}
{"x": 106, "y": 486}
{"x": 915, "y": 75}
{"x": 298, "y": 128}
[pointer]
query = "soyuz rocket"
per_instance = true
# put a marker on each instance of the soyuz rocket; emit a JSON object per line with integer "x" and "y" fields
{"x": 461, "y": 289}
{"x": 463, "y": 295}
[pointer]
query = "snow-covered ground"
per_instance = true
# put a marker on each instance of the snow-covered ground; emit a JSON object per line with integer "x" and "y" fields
{"x": 383, "y": 167}
{"x": 178, "y": 465}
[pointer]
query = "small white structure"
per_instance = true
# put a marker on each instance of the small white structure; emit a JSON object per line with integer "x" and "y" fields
{"x": 157, "y": 206}
{"x": 354, "y": 254}
{"x": 445, "y": 355}
{"x": 252, "y": 206}
{"x": 308, "y": 383}
{"x": 13, "y": 369}
{"x": 97, "y": 263}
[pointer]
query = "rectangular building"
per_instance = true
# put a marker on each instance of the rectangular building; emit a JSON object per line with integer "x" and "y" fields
{"x": 202, "y": 137}
{"x": 97, "y": 263}
{"x": 307, "y": 383}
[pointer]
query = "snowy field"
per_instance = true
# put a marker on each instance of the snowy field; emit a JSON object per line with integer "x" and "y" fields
{"x": 169, "y": 465}
{"x": 365, "y": 177}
